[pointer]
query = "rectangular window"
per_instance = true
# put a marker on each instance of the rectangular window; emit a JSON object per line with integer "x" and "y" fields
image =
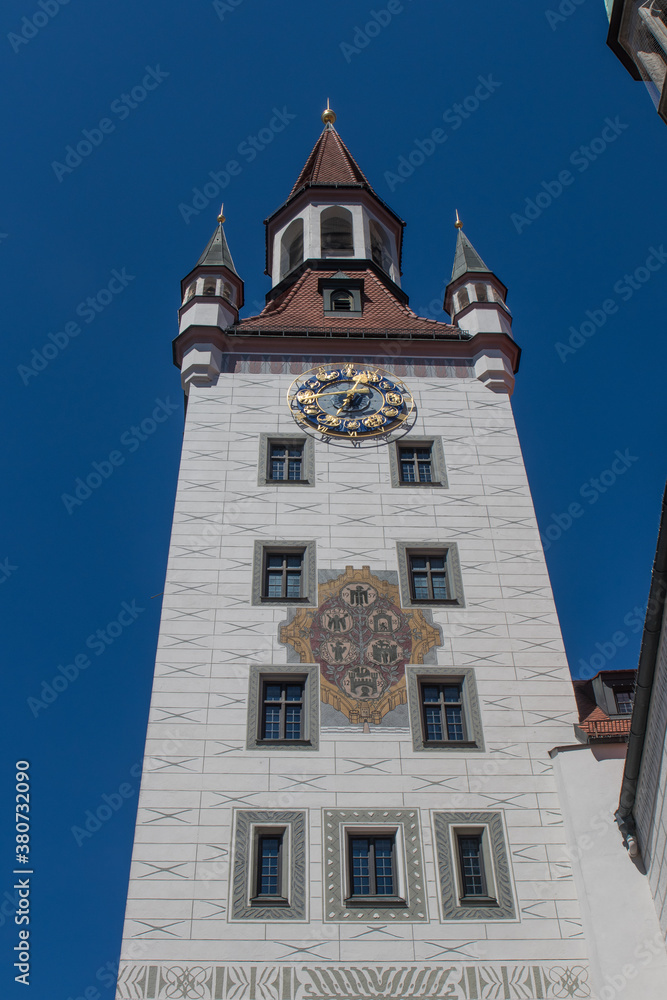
{"x": 624, "y": 700}
{"x": 282, "y": 574}
{"x": 372, "y": 867}
{"x": 285, "y": 462}
{"x": 416, "y": 464}
{"x": 428, "y": 577}
{"x": 471, "y": 860}
{"x": 269, "y": 858}
{"x": 442, "y": 711}
{"x": 473, "y": 865}
{"x": 282, "y": 710}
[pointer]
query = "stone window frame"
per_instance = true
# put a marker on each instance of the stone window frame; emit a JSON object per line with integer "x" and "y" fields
{"x": 248, "y": 825}
{"x": 307, "y": 461}
{"x": 414, "y": 675}
{"x": 438, "y": 467}
{"x": 499, "y": 904}
{"x": 258, "y": 674}
{"x": 308, "y": 572}
{"x": 404, "y": 825}
{"x": 450, "y": 551}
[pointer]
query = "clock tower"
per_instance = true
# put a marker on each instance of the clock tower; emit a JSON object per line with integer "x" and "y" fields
{"x": 347, "y": 789}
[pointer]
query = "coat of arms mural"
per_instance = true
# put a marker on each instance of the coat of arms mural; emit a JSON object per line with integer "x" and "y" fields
{"x": 362, "y": 640}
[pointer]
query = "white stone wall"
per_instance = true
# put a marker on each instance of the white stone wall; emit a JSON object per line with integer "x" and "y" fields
{"x": 197, "y": 771}
{"x": 626, "y": 950}
{"x": 651, "y": 804}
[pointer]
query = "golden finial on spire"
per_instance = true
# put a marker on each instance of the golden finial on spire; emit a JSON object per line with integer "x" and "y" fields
{"x": 458, "y": 224}
{"x": 328, "y": 116}
{"x": 221, "y": 217}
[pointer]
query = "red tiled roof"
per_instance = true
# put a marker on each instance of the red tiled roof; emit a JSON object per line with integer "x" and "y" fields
{"x": 300, "y": 307}
{"x": 605, "y": 728}
{"x": 330, "y": 162}
{"x": 594, "y": 720}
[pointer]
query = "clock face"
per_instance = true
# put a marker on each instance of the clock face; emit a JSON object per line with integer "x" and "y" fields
{"x": 350, "y": 401}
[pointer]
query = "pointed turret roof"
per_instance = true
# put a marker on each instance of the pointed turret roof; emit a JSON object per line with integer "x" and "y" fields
{"x": 217, "y": 252}
{"x": 466, "y": 258}
{"x": 330, "y": 163}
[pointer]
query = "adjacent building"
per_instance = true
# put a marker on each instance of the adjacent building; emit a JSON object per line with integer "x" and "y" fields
{"x": 638, "y": 36}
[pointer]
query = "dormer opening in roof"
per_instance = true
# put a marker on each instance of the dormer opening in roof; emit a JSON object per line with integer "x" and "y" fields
{"x": 332, "y": 214}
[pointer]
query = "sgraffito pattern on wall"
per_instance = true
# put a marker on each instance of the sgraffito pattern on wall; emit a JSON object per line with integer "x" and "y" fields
{"x": 362, "y": 639}
{"x": 368, "y": 982}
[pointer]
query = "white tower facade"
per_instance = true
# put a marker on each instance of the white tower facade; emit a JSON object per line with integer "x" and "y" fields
{"x": 347, "y": 789}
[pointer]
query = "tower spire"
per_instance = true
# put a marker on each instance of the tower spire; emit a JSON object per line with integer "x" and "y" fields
{"x": 475, "y": 297}
{"x": 212, "y": 294}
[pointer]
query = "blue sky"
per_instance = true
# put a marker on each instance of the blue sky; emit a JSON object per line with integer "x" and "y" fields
{"x": 121, "y": 228}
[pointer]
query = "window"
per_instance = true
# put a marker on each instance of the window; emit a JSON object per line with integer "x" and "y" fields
{"x": 419, "y": 463}
{"x": 379, "y": 246}
{"x": 341, "y": 301}
{"x": 471, "y": 861}
{"x": 283, "y": 572}
{"x": 463, "y": 299}
{"x": 430, "y": 575}
{"x": 614, "y": 691}
{"x": 282, "y": 712}
{"x": 415, "y": 464}
{"x": 373, "y": 858}
{"x": 283, "y": 707}
{"x": 209, "y": 286}
{"x": 269, "y": 861}
{"x": 291, "y": 247}
{"x": 473, "y": 865}
{"x": 624, "y": 698}
{"x": 191, "y": 289}
{"x": 286, "y": 462}
{"x": 336, "y": 232}
{"x": 372, "y": 867}
{"x": 444, "y": 709}
{"x": 481, "y": 293}
{"x": 268, "y": 880}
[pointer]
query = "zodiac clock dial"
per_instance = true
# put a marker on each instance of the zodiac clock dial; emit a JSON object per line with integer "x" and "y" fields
{"x": 349, "y": 401}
